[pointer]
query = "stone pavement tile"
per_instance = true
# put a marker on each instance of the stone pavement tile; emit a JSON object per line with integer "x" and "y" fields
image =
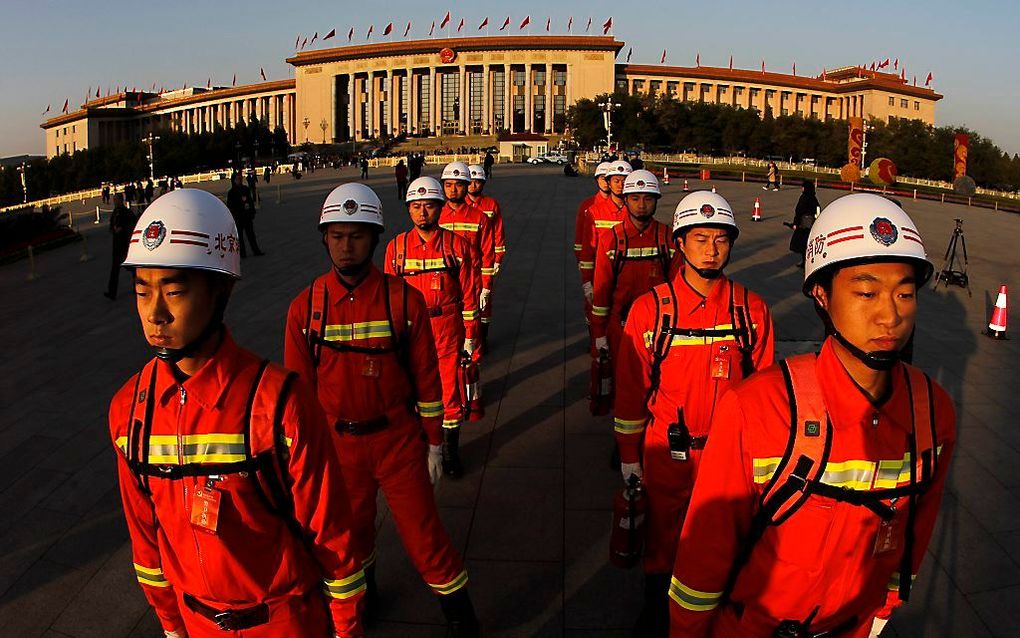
{"x": 579, "y": 419}
{"x": 37, "y": 598}
{"x": 590, "y": 482}
{"x": 21, "y": 458}
{"x": 532, "y": 439}
{"x": 999, "y": 610}
{"x": 519, "y": 515}
{"x": 993, "y": 453}
{"x": 147, "y": 627}
{"x": 971, "y": 555}
{"x": 596, "y": 594}
{"x": 25, "y": 539}
{"x": 463, "y": 492}
{"x": 598, "y": 633}
{"x": 936, "y": 609}
{"x": 94, "y": 613}
{"x": 28, "y": 491}
{"x": 88, "y": 544}
{"x": 404, "y": 597}
{"x": 994, "y": 506}
{"x": 84, "y": 488}
{"x": 518, "y": 598}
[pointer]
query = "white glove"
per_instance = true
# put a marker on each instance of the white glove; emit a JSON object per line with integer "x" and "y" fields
{"x": 495, "y": 269}
{"x": 483, "y": 299}
{"x": 180, "y": 633}
{"x": 630, "y": 468}
{"x": 877, "y": 626}
{"x": 589, "y": 291}
{"x": 469, "y": 346}
{"x": 435, "y": 463}
{"x": 601, "y": 343}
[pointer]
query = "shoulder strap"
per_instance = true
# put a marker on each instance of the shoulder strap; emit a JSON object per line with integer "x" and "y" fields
{"x": 400, "y": 258}
{"x": 665, "y": 258}
{"x": 620, "y": 244}
{"x": 743, "y": 326}
{"x": 138, "y": 432}
{"x": 315, "y": 326}
{"x": 662, "y": 333}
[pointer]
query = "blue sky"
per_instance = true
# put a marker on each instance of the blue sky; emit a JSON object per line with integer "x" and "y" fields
{"x": 54, "y": 50}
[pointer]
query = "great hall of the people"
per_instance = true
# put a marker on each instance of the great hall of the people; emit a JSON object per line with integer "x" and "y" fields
{"x": 470, "y": 86}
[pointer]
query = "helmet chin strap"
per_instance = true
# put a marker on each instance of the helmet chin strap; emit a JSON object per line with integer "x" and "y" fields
{"x": 213, "y": 328}
{"x": 880, "y": 360}
{"x": 706, "y": 273}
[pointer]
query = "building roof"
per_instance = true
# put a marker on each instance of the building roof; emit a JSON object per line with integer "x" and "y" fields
{"x": 486, "y": 43}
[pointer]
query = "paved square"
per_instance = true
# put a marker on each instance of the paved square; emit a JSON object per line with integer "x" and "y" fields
{"x": 532, "y": 514}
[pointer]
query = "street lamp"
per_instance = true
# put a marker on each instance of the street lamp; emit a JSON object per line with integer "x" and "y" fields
{"x": 149, "y": 140}
{"x": 24, "y": 183}
{"x": 607, "y": 119}
{"x": 324, "y": 125}
{"x": 306, "y": 122}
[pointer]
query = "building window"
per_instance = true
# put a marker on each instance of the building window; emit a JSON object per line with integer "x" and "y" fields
{"x": 540, "y": 112}
{"x": 74, "y": 129}
{"x": 892, "y": 101}
{"x": 560, "y": 78}
{"x": 475, "y": 83}
{"x": 424, "y": 103}
{"x": 917, "y": 106}
{"x": 58, "y": 133}
{"x": 639, "y": 86}
{"x": 738, "y": 91}
{"x": 671, "y": 88}
{"x": 904, "y": 103}
{"x": 621, "y": 85}
{"x": 518, "y": 78}
{"x": 559, "y": 112}
{"x": 654, "y": 86}
{"x": 688, "y": 89}
{"x": 498, "y": 93}
{"x": 540, "y": 77}
{"x": 450, "y": 114}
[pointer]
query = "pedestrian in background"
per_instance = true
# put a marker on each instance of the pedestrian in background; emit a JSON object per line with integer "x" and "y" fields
{"x": 239, "y": 201}
{"x": 773, "y": 178}
{"x": 122, "y": 224}
{"x": 401, "y": 174}
{"x": 364, "y": 167}
{"x": 803, "y": 218}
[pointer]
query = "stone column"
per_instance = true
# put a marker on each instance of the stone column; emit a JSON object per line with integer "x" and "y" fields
{"x": 412, "y": 103}
{"x": 529, "y": 114}
{"x": 508, "y": 121}
{"x": 433, "y": 100}
{"x": 462, "y": 124}
{"x": 549, "y": 110}
{"x": 373, "y": 116}
{"x": 486, "y": 99}
{"x": 570, "y": 91}
{"x": 356, "y": 122}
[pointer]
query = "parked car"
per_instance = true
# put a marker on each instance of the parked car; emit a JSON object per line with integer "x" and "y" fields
{"x": 548, "y": 158}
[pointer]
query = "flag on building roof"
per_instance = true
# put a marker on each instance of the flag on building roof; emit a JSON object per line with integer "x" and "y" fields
{"x": 350, "y": 34}
{"x": 332, "y": 32}
{"x": 47, "y": 109}
{"x": 371, "y": 28}
{"x": 607, "y": 25}
{"x": 570, "y": 23}
{"x": 232, "y": 82}
{"x": 262, "y": 72}
{"x": 896, "y": 64}
{"x": 548, "y": 24}
{"x": 731, "y": 62}
{"x": 65, "y": 106}
{"x": 506, "y": 23}
{"x": 446, "y": 21}
{"x": 460, "y": 25}
{"x": 297, "y": 43}
{"x": 587, "y": 28}
{"x": 389, "y": 29}
{"x": 433, "y": 28}
{"x": 697, "y": 59}
{"x": 525, "y": 22}
{"x": 629, "y": 52}
{"x": 484, "y": 23}
{"x": 407, "y": 29}
{"x": 663, "y": 60}
{"x": 314, "y": 38}
{"x": 928, "y": 80}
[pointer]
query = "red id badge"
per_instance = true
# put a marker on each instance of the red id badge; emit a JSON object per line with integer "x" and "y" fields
{"x": 720, "y": 367}
{"x": 436, "y": 283}
{"x": 889, "y": 534}
{"x": 205, "y": 509}
{"x": 370, "y": 368}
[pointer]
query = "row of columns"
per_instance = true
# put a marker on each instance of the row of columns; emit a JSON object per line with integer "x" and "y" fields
{"x": 275, "y": 110}
{"x": 388, "y": 88}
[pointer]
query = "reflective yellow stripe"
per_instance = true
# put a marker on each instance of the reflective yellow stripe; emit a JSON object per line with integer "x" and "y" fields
{"x": 605, "y": 223}
{"x": 626, "y": 426}
{"x": 682, "y": 340}
{"x": 764, "y": 468}
{"x": 424, "y": 264}
{"x": 152, "y": 576}
{"x": 451, "y": 424}
{"x": 854, "y": 474}
{"x": 469, "y": 315}
{"x": 451, "y": 586}
{"x": 577, "y": 246}
{"x": 121, "y": 443}
{"x": 489, "y": 213}
{"x": 600, "y": 311}
{"x": 692, "y": 599}
{"x": 460, "y": 227}
{"x": 288, "y": 441}
{"x": 586, "y": 265}
{"x": 430, "y": 409}
{"x": 488, "y": 271}
{"x": 353, "y": 331}
{"x": 212, "y": 448}
{"x": 346, "y": 587}
{"x": 642, "y": 252}
{"x": 500, "y": 249}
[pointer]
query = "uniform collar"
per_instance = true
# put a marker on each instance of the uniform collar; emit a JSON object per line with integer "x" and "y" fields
{"x": 849, "y": 404}
{"x": 418, "y": 240}
{"x": 208, "y": 385}
{"x": 689, "y": 299}
{"x": 337, "y": 291}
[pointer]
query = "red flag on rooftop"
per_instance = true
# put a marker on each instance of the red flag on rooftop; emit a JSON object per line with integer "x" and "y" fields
{"x": 607, "y": 25}
{"x": 506, "y": 23}
{"x": 47, "y": 109}
{"x": 663, "y": 60}
{"x": 304, "y": 43}
{"x": 697, "y": 59}
{"x": 262, "y": 72}
{"x": 371, "y": 28}
{"x": 445, "y": 21}
{"x": 407, "y": 29}
{"x": 731, "y": 62}
{"x": 433, "y": 28}
{"x": 65, "y": 106}
{"x": 903, "y": 74}
{"x": 350, "y": 34}
{"x": 525, "y": 22}
{"x": 930, "y": 77}
{"x": 629, "y": 52}
{"x": 297, "y": 43}
{"x": 548, "y": 24}
{"x": 570, "y": 23}
{"x": 314, "y": 38}
{"x": 484, "y": 23}
{"x": 884, "y": 64}
{"x": 915, "y": 80}
{"x": 232, "y": 82}
{"x": 795, "y": 69}
{"x": 460, "y": 25}
{"x": 208, "y": 83}
{"x": 332, "y": 32}
{"x": 97, "y": 91}
{"x": 824, "y": 78}
{"x": 388, "y": 30}
{"x": 872, "y": 66}
{"x": 896, "y": 64}
{"x": 587, "y": 28}
{"x": 763, "y": 67}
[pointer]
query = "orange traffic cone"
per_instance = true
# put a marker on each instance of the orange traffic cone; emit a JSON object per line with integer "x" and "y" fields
{"x": 665, "y": 176}
{"x": 685, "y": 187}
{"x": 997, "y": 324}
{"x": 756, "y": 215}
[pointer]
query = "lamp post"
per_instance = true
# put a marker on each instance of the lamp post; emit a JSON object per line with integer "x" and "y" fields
{"x": 306, "y": 122}
{"x": 22, "y": 170}
{"x": 607, "y": 119}
{"x": 149, "y": 140}
{"x": 324, "y": 125}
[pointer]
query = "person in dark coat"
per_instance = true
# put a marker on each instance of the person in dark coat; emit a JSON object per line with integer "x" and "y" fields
{"x": 803, "y": 218}
{"x": 364, "y": 167}
{"x": 400, "y": 172}
{"x": 150, "y": 191}
{"x": 487, "y": 164}
{"x": 242, "y": 207}
{"x": 122, "y": 224}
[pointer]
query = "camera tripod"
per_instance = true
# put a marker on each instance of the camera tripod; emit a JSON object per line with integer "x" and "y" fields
{"x": 950, "y": 273}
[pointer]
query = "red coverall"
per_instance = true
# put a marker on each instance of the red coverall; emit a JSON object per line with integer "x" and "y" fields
{"x": 621, "y": 279}
{"x": 357, "y": 387}
{"x": 444, "y": 272}
{"x": 581, "y": 222}
{"x": 254, "y": 556}
{"x": 823, "y": 555}
{"x": 472, "y": 224}
{"x": 687, "y": 382}
{"x": 603, "y": 213}
{"x": 490, "y": 207}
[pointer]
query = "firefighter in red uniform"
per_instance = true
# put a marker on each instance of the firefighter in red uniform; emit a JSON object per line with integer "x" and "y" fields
{"x": 232, "y": 489}
{"x": 439, "y": 264}
{"x": 819, "y": 489}
{"x": 470, "y": 223}
{"x": 631, "y": 258}
{"x": 684, "y": 344}
{"x": 580, "y": 223}
{"x": 603, "y": 213}
{"x": 364, "y": 340}
{"x": 477, "y": 198}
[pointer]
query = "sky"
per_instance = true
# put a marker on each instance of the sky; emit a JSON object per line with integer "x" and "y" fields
{"x": 57, "y": 49}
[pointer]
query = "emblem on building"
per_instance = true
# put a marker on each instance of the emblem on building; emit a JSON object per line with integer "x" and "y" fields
{"x": 154, "y": 235}
{"x": 884, "y": 231}
{"x": 447, "y": 55}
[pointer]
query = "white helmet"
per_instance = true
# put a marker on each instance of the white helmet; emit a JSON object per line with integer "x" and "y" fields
{"x": 456, "y": 170}
{"x": 619, "y": 167}
{"x": 862, "y": 228}
{"x": 641, "y": 181}
{"x": 425, "y": 188}
{"x": 704, "y": 208}
{"x": 187, "y": 228}
{"x": 477, "y": 172}
{"x": 354, "y": 203}
{"x": 602, "y": 169}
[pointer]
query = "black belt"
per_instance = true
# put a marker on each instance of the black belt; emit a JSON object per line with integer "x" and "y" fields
{"x": 439, "y": 311}
{"x": 358, "y": 428}
{"x": 230, "y": 619}
{"x": 698, "y": 442}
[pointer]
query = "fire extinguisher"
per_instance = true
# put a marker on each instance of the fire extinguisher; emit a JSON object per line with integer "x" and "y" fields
{"x": 601, "y": 390}
{"x": 474, "y": 409}
{"x": 627, "y": 539}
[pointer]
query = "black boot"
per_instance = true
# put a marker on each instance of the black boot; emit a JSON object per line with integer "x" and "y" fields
{"x": 460, "y": 614}
{"x": 614, "y": 458}
{"x": 483, "y": 341}
{"x": 654, "y": 619}
{"x": 451, "y": 453}
{"x": 371, "y": 595}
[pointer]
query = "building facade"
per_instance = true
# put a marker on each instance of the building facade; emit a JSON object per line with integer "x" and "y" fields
{"x": 469, "y": 86}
